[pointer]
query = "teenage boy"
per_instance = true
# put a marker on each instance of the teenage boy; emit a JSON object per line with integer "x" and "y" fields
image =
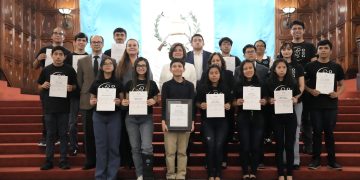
{"x": 80, "y": 42}
{"x": 324, "y": 106}
{"x": 56, "y": 108}
{"x": 225, "y": 45}
{"x": 119, "y": 36}
{"x": 176, "y": 142}
{"x": 303, "y": 53}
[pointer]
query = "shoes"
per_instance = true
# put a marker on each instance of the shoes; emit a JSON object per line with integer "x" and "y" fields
{"x": 314, "y": 164}
{"x": 57, "y": 142}
{"x": 335, "y": 166}
{"x": 42, "y": 143}
{"x": 140, "y": 178}
{"x": 64, "y": 165}
{"x": 224, "y": 165}
{"x": 252, "y": 177}
{"x": 74, "y": 152}
{"x": 88, "y": 166}
{"x": 47, "y": 165}
{"x": 261, "y": 166}
{"x": 296, "y": 167}
{"x": 267, "y": 141}
{"x": 307, "y": 150}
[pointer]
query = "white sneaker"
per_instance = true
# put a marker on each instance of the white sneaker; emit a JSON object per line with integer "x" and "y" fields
{"x": 140, "y": 178}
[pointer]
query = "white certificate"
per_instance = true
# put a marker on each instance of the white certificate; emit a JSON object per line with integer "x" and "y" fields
{"x": 251, "y": 96}
{"x": 230, "y": 63}
{"x": 48, "y": 59}
{"x": 105, "y": 99}
{"x": 215, "y": 105}
{"x": 283, "y": 102}
{"x": 137, "y": 102}
{"x": 58, "y": 86}
{"x": 179, "y": 115}
{"x": 75, "y": 60}
{"x": 117, "y": 51}
{"x": 325, "y": 82}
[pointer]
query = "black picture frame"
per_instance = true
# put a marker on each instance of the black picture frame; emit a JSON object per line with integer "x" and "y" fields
{"x": 189, "y": 102}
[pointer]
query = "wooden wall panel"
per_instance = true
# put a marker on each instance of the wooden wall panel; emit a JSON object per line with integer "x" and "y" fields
{"x": 25, "y": 27}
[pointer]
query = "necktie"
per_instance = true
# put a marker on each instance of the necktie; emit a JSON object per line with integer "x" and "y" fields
{"x": 96, "y": 65}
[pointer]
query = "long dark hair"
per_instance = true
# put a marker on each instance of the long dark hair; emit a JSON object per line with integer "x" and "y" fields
{"x": 288, "y": 78}
{"x": 223, "y": 64}
{"x": 208, "y": 83}
{"x": 284, "y": 45}
{"x": 101, "y": 72}
{"x": 135, "y": 78}
{"x": 242, "y": 78}
{"x": 124, "y": 62}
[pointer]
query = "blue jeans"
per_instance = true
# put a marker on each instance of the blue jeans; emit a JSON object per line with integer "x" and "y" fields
{"x": 56, "y": 122}
{"x": 107, "y": 140}
{"x": 140, "y": 130}
{"x": 73, "y": 115}
{"x": 215, "y": 132}
{"x": 324, "y": 120}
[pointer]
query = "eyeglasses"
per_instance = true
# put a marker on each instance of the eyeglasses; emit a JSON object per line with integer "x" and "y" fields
{"x": 141, "y": 66}
{"x": 96, "y": 42}
{"x": 58, "y": 33}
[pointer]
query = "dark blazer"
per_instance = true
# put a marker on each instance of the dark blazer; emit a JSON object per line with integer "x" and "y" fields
{"x": 85, "y": 77}
{"x": 206, "y": 56}
{"x": 262, "y": 72}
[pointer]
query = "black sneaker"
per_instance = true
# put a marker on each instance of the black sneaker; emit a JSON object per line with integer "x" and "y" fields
{"x": 314, "y": 164}
{"x": 335, "y": 166}
{"x": 64, "y": 165}
{"x": 47, "y": 165}
{"x": 296, "y": 167}
{"x": 73, "y": 152}
{"x": 261, "y": 166}
{"x": 42, "y": 143}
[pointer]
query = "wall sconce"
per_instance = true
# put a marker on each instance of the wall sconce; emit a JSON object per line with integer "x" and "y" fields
{"x": 66, "y": 22}
{"x": 287, "y": 12}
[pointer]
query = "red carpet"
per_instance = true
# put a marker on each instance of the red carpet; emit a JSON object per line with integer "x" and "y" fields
{"x": 20, "y": 157}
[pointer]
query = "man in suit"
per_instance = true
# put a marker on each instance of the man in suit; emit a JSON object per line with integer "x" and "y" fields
{"x": 198, "y": 57}
{"x": 86, "y": 74}
{"x": 262, "y": 71}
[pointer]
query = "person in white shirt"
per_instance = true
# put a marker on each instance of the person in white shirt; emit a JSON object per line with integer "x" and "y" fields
{"x": 178, "y": 51}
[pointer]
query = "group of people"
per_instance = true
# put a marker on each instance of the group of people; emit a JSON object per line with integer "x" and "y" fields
{"x": 108, "y": 135}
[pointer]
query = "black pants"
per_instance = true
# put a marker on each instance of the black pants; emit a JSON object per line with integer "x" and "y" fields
{"x": 43, "y": 117}
{"x": 89, "y": 138}
{"x": 285, "y": 126}
{"x": 231, "y": 124}
{"x": 306, "y": 123}
{"x": 324, "y": 120}
{"x": 215, "y": 132}
{"x": 251, "y": 128}
{"x": 267, "y": 113}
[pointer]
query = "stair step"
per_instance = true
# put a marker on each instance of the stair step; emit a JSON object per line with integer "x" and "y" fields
{"x": 195, "y": 159}
{"x": 20, "y": 103}
{"x": 196, "y": 147}
{"x": 195, "y": 172}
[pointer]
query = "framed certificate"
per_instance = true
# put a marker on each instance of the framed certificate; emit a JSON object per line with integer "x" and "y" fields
{"x": 179, "y": 114}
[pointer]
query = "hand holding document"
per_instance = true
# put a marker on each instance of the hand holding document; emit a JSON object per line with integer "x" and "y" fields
{"x": 251, "y": 96}
{"x": 106, "y": 99}
{"x": 58, "y": 86}
{"x": 137, "y": 102}
{"x": 325, "y": 82}
{"x": 215, "y": 105}
{"x": 283, "y": 102}
{"x": 48, "y": 59}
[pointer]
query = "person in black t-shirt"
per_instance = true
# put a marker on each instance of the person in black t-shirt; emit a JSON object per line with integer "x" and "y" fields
{"x": 56, "y": 108}
{"x": 303, "y": 53}
{"x": 284, "y": 124}
{"x": 251, "y": 122}
{"x": 225, "y": 45}
{"x": 214, "y": 130}
{"x": 297, "y": 73}
{"x": 57, "y": 40}
{"x": 324, "y": 105}
{"x": 140, "y": 127}
{"x": 80, "y": 42}
{"x": 107, "y": 124}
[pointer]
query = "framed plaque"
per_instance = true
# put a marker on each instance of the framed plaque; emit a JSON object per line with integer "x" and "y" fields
{"x": 179, "y": 113}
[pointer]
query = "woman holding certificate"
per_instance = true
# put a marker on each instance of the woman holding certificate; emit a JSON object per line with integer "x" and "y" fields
{"x": 297, "y": 72}
{"x": 283, "y": 93}
{"x": 214, "y": 98}
{"x": 249, "y": 96}
{"x": 141, "y": 95}
{"x": 106, "y": 95}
